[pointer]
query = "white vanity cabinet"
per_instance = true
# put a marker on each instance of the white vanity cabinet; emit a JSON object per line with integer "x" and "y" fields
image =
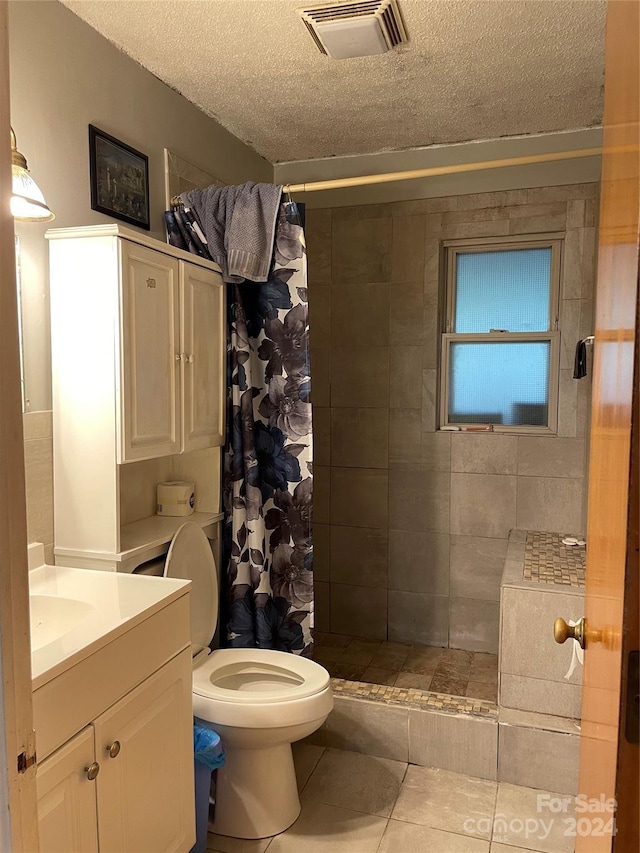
{"x": 138, "y": 342}
{"x": 114, "y": 743}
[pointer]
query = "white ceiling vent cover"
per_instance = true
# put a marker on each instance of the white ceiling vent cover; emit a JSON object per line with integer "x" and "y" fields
{"x": 357, "y": 28}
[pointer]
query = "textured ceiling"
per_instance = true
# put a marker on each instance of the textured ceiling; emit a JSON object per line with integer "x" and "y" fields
{"x": 473, "y": 69}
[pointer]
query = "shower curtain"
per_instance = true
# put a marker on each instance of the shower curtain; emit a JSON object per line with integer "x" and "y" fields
{"x": 267, "y": 572}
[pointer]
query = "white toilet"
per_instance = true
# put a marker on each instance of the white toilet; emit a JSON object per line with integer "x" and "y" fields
{"x": 259, "y": 701}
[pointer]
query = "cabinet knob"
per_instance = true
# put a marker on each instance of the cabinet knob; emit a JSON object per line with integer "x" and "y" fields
{"x": 92, "y": 771}
{"x": 191, "y": 359}
{"x": 114, "y": 749}
{"x": 178, "y": 356}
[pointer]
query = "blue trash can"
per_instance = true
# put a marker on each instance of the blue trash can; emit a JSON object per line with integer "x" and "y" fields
{"x": 208, "y": 756}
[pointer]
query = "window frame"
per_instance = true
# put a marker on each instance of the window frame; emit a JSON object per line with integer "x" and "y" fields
{"x": 451, "y": 249}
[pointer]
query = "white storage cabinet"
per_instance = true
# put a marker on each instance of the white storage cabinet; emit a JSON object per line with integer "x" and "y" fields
{"x": 138, "y": 335}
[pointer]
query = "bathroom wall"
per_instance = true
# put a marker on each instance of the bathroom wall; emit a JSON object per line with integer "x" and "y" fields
{"x": 411, "y": 524}
{"x": 64, "y": 76}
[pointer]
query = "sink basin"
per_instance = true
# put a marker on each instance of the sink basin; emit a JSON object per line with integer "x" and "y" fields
{"x": 54, "y": 616}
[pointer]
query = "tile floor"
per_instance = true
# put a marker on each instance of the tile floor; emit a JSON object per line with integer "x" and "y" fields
{"x": 452, "y": 671}
{"x": 355, "y": 803}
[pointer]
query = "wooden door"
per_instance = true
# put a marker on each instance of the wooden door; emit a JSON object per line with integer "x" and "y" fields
{"x": 612, "y": 557}
{"x": 150, "y": 353}
{"x": 67, "y": 816}
{"x": 18, "y": 823}
{"x": 203, "y": 360}
{"x": 145, "y": 792}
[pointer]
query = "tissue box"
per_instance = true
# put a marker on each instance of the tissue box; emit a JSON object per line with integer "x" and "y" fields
{"x": 175, "y": 498}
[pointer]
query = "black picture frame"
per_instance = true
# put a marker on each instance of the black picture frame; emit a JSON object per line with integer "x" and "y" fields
{"x": 119, "y": 177}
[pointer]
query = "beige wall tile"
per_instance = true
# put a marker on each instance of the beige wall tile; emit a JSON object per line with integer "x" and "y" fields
{"x": 405, "y": 435}
{"x": 370, "y": 727}
{"x": 568, "y": 404}
{"x": 538, "y": 759}
{"x": 405, "y": 377}
{"x": 37, "y": 425}
{"x": 576, "y": 213}
{"x": 537, "y": 224}
{"x": 483, "y": 505}
{"x": 572, "y": 279}
{"x": 360, "y": 316}
{"x": 360, "y": 438}
{"x": 569, "y": 331}
{"x": 406, "y": 325}
{"x": 540, "y": 695}
{"x": 467, "y": 745}
{"x": 550, "y": 503}
{"x": 321, "y": 435}
{"x": 359, "y": 556}
{"x": 359, "y": 611}
{"x": 553, "y": 456}
{"x": 484, "y": 454}
{"x": 361, "y": 251}
{"x": 321, "y": 552}
{"x": 320, "y": 372}
{"x": 419, "y": 500}
{"x": 431, "y": 329}
{"x": 360, "y": 377}
{"x": 419, "y": 562}
{"x": 320, "y": 317}
{"x": 468, "y": 230}
{"x": 359, "y": 497}
{"x": 408, "y": 248}
{"x": 317, "y": 234}
{"x": 321, "y": 493}
{"x": 416, "y": 617}
{"x": 476, "y": 567}
{"x": 473, "y": 625}
{"x": 540, "y": 656}
{"x": 429, "y": 400}
{"x": 436, "y": 451}
{"x": 361, "y": 211}
{"x": 322, "y": 605}
{"x": 38, "y": 463}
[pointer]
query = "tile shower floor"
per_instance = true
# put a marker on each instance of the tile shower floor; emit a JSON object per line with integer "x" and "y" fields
{"x": 453, "y": 671}
{"x": 354, "y": 803}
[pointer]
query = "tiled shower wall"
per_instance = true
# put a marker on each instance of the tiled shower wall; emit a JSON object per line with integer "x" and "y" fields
{"x": 410, "y": 523}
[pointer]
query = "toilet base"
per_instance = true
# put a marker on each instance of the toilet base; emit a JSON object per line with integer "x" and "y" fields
{"x": 256, "y": 792}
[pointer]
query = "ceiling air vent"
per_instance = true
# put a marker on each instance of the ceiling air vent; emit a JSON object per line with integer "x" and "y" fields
{"x": 357, "y": 28}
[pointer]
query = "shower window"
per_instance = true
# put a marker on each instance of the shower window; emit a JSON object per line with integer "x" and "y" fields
{"x": 500, "y": 350}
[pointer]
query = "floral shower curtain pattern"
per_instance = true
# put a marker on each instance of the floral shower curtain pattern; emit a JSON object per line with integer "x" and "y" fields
{"x": 267, "y": 572}
{"x": 268, "y": 478}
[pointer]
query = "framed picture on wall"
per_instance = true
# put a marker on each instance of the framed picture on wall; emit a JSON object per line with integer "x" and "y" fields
{"x": 119, "y": 179}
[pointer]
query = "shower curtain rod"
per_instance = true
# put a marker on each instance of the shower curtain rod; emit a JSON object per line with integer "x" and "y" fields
{"x": 433, "y": 171}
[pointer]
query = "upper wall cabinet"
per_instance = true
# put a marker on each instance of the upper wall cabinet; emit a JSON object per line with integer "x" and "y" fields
{"x": 138, "y": 330}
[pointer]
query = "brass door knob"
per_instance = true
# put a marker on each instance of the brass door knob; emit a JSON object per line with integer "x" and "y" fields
{"x": 92, "y": 771}
{"x": 114, "y": 749}
{"x": 563, "y": 632}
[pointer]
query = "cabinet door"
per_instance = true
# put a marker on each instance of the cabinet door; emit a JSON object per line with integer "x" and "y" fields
{"x": 67, "y": 818}
{"x": 150, "y": 351}
{"x": 203, "y": 364}
{"x": 145, "y": 792}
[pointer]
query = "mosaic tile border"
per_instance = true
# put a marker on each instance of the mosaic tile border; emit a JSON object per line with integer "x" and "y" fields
{"x": 548, "y": 561}
{"x": 413, "y": 698}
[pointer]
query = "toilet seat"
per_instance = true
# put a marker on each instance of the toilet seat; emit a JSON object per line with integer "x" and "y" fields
{"x": 258, "y": 676}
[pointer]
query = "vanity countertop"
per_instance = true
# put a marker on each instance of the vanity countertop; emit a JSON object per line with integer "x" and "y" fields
{"x": 74, "y": 612}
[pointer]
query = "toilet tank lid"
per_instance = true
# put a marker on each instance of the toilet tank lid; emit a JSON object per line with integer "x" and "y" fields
{"x": 190, "y": 558}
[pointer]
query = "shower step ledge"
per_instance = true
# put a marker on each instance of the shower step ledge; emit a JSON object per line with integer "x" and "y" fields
{"x": 409, "y": 697}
